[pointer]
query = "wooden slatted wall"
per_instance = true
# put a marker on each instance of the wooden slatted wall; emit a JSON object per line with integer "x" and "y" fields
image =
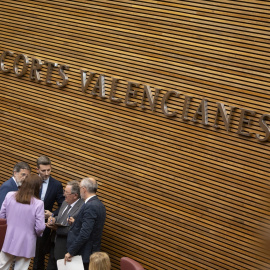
{"x": 179, "y": 195}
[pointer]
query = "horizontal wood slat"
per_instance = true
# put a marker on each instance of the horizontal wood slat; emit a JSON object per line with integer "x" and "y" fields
{"x": 179, "y": 195}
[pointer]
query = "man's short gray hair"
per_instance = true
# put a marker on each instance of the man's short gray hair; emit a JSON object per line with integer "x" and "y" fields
{"x": 90, "y": 183}
{"x": 75, "y": 187}
{"x": 21, "y": 165}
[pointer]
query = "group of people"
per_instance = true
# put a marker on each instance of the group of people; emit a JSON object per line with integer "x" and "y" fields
{"x": 34, "y": 229}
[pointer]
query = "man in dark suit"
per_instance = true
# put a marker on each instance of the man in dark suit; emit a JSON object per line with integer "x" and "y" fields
{"x": 20, "y": 171}
{"x": 84, "y": 237}
{"x": 51, "y": 192}
{"x": 70, "y": 208}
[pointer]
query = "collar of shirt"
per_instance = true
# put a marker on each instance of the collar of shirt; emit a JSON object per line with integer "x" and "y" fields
{"x": 89, "y": 198}
{"x": 73, "y": 204}
{"x": 15, "y": 181}
{"x": 46, "y": 181}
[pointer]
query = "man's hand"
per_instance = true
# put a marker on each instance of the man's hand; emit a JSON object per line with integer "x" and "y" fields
{"x": 48, "y": 214}
{"x": 70, "y": 220}
{"x": 67, "y": 258}
{"x": 51, "y": 223}
{"x": 52, "y": 226}
{"x": 51, "y": 220}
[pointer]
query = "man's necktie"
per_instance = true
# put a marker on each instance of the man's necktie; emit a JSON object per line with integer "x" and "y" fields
{"x": 63, "y": 219}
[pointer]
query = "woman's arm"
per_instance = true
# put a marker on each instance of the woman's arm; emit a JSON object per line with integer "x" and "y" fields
{"x": 40, "y": 218}
{"x": 3, "y": 211}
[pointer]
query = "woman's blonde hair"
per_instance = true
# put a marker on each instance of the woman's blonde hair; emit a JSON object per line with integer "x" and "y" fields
{"x": 100, "y": 261}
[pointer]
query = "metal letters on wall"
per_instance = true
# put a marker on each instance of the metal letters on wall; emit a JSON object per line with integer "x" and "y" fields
{"x": 21, "y": 65}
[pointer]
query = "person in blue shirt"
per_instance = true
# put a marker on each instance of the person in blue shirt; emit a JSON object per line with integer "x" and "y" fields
{"x": 51, "y": 192}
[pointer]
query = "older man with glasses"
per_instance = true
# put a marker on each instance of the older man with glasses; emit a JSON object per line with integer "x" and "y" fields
{"x": 69, "y": 210}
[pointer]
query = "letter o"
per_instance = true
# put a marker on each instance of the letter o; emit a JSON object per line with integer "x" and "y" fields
{"x": 17, "y": 60}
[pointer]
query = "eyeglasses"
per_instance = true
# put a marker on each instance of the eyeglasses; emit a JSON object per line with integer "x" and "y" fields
{"x": 67, "y": 193}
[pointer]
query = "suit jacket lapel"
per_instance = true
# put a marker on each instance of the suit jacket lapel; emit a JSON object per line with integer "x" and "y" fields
{"x": 78, "y": 216}
{"x": 75, "y": 208}
{"x": 13, "y": 184}
{"x": 92, "y": 199}
{"x": 82, "y": 209}
{"x": 63, "y": 206}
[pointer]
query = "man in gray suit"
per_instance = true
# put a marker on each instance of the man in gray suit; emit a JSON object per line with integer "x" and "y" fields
{"x": 69, "y": 209}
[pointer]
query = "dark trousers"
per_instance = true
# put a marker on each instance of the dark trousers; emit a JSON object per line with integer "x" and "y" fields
{"x": 58, "y": 250}
{"x": 86, "y": 266}
{"x": 42, "y": 248}
{"x": 52, "y": 264}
